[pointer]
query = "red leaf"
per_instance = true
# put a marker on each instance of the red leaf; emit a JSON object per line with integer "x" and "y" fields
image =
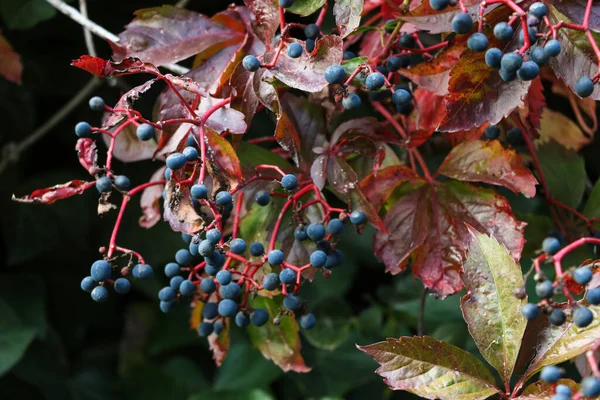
{"x": 317, "y": 171}
{"x": 105, "y": 69}
{"x": 150, "y": 201}
{"x": 535, "y": 102}
{"x": 489, "y": 162}
{"x": 126, "y": 103}
{"x": 464, "y": 136}
{"x": 266, "y": 14}
{"x": 54, "y": 193}
{"x": 223, "y": 162}
{"x": 10, "y": 62}
{"x": 426, "y": 18}
{"x": 379, "y": 186}
{"x": 93, "y": 65}
{"x": 88, "y": 154}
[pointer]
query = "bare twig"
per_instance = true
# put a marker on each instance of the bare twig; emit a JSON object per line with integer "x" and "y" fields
{"x": 87, "y": 34}
{"x": 11, "y": 151}
{"x": 100, "y": 31}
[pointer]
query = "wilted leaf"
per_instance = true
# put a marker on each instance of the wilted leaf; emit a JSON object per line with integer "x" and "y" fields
{"x": 305, "y": 7}
{"x": 431, "y": 369}
{"x": 535, "y": 103}
{"x": 489, "y": 162}
{"x": 377, "y": 187}
{"x": 490, "y": 308}
{"x": 104, "y": 69}
{"x": 10, "y": 62}
{"x": 222, "y": 160}
{"x": 54, "y": 193}
{"x": 545, "y": 391}
{"x": 279, "y": 343}
{"x": 219, "y": 344}
{"x": 347, "y": 15}
{"x": 179, "y": 209}
{"x": 126, "y": 102}
{"x": 87, "y": 154}
{"x": 150, "y": 201}
{"x": 557, "y": 127}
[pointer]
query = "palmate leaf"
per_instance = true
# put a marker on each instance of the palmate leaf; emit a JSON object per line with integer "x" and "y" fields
{"x": 431, "y": 369}
{"x": 490, "y": 308}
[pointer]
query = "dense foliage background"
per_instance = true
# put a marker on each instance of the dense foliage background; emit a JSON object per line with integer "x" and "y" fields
{"x": 55, "y": 343}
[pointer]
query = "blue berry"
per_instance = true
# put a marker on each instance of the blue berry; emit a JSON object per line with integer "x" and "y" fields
{"x": 462, "y": 23}
{"x": 242, "y": 319}
{"x": 582, "y": 317}
{"x": 218, "y": 326}
{"x": 358, "y": 217}
{"x": 528, "y": 71}
{"x": 308, "y": 321}
{"x": 122, "y": 286}
{"x": 532, "y": 36}
{"x": 318, "y": 259}
{"x": 237, "y": 246}
{"x": 175, "y": 282}
{"x": 382, "y": 70}
{"x": 582, "y": 275}
{"x": 439, "y": 5}
{"x": 335, "y": 226}
{"x": 289, "y": 182}
{"x": 224, "y": 277}
{"x": 223, "y": 198}
{"x": 251, "y": 63}
{"x": 217, "y": 259}
{"x": 312, "y": 31}
{"x": 310, "y": 45}
{"x": 211, "y": 269}
{"x": 205, "y": 329}
{"x": 335, "y": 74}
{"x": 100, "y": 271}
{"x": 191, "y": 153}
{"x": 552, "y": 48}
{"x": 551, "y": 374}
{"x": 287, "y": 276}
{"x": 167, "y": 177}
{"x": 194, "y": 249}
{"x": 99, "y": 294}
{"x": 122, "y": 182}
{"x": 87, "y": 284}
{"x": 544, "y": 289}
{"x": 539, "y": 56}
{"x": 334, "y": 259}
{"x": 208, "y": 285}
{"x": 176, "y": 161}
{"x": 503, "y": 31}
{"x": 103, "y": 184}
{"x": 286, "y": 3}
{"x": 227, "y": 308}
{"x": 511, "y": 62}
{"x": 394, "y": 63}
{"x": 316, "y": 232}
{"x": 167, "y": 294}
{"x": 348, "y": 55}
{"x": 187, "y": 288}
{"x": 590, "y": 386}
{"x": 199, "y": 192}
{"x": 213, "y": 236}
{"x": 190, "y": 141}
{"x": 144, "y": 132}
{"x": 538, "y": 10}
{"x": 563, "y": 390}
{"x": 183, "y": 257}
{"x": 507, "y": 76}
{"x": 530, "y": 311}
{"x": 300, "y": 233}
{"x": 271, "y": 281}
{"x": 275, "y": 257}
{"x": 259, "y": 317}
{"x": 492, "y": 132}
{"x": 324, "y": 245}
{"x": 514, "y": 136}
{"x": 593, "y": 296}
{"x": 493, "y": 58}
{"x": 230, "y": 291}
{"x": 551, "y": 245}
{"x": 557, "y": 317}
{"x": 401, "y": 97}
{"x": 96, "y": 103}
{"x": 262, "y": 198}
{"x": 294, "y": 50}
{"x": 206, "y": 248}
{"x": 406, "y": 40}
{"x": 210, "y": 310}
{"x": 83, "y": 129}
{"x": 166, "y": 306}
{"x": 292, "y": 302}
{"x": 584, "y": 87}
{"x": 374, "y": 81}
{"x": 351, "y": 101}
{"x": 257, "y": 249}
{"x": 142, "y": 271}
{"x": 478, "y": 42}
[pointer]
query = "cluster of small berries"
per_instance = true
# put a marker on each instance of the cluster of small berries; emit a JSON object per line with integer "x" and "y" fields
{"x": 590, "y": 385}
{"x": 100, "y": 277}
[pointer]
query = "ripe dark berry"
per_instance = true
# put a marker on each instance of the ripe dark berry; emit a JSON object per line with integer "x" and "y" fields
{"x": 335, "y": 226}
{"x": 538, "y": 10}
{"x": 478, "y": 42}
{"x": 142, "y": 271}
{"x": 259, "y": 317}
{"x": 590, "y": 386}
{"x": 401, "y": 97}
{"x": 205, "y": 329}
{"x": 493, "y": 58}
{"x": 511, "y": 62}
{"x": 492, "y": 132}
{"x": 183, "y": 257}
{"x": 593, "y": 296}
{"x": 87, "y": 284}
{"x": 528, "y": 71}
{"x": 167, "y": 294}
{"x": 223, "y": 198}
{"x": 251, "y": 63}
{"x": 351, "y": 101}
{"x": 557, "y": 317}
{"x": 224, "y": 277}
{"x": 191, "y": 153}
{"x": 145, "y": 132}
{"x": 96, "y": 103}
{"x": 300, "y": 233}
{"x": 206, "y": 248}
{"x": 394, "y": 63}
{"x": 551, "y": 374}
{"x": 310, "y": 45}
{"x": 217, "y": 259}
{"x": 539, "y": 56}
{"x": 99, "y": 294}
{"x": 312, "y": 31}
{"x": 210, "y": 310}
{"x": 175, "y": 282}
{"x": 208, "y": 285}
{"x": 552, "y": 48}
{"x": 294, "y": 50}
{"x": 316, "y": 232}
{"x": 213, "y": 236}
{"x": 334, "y": 259}
{"x": 582, "y": 275}
{"x": 176, "y": 161}
{"x": 407, "y": 40}
{"x": 227, "y": 308}
{"x": 230, "y": 291}
{"x": 503, "y": 31}
{"x": 308, "y": 321}
{"x": 335, "y": 74}
{"x": 122, "y": 182}
{"x": 271, "y": 281}
{"x": 292, "y": 302}
{"x": 100, "y": 271}
{"x": 374, "y": 81}
{"x": 262, "y": 198}
{"x": 103, "y": 184}
{"x": 584, "y": 87}
{"x": 348, "y": 55}
{"x": 382, "y": 70}
{"x": 439, "y": 5}
{"x": 532, "y": 20}
{"x": 530, "y": 311}
{"x": 122, "y": 286}
{"x": 550, "y": 245}
{"x": 257, "y": 249}
{"x": 218, "y": 327}
{"x": 166, "y": 306}
{"x": 462, "y": 23}
{"x": 563, "y": 390}
{"x": 199, "y": 191}
{"x": 212, "y": 269}
{"x": 275, "y": 257}
{"x": 318, "y": 259}
{"x": 582, "y": 317}
{"x": 190, "y": 141}
{"x": 532, "y": 36}
{"x": 83, "y": 129}
{"x": 237, "y": 246}
{"x": 242, "y": 319}
{"x": 286, "y": 3}
{"x": 514, "y": 136}
{"x": 194, "y": 249}
{"x": 358, "y": 217}
{"x": 167, "y": 177}
{"x": 289, "y": 182}
{"x": 287, "y": 276}
{"x": 187, "y": 288}
{"x": 544, "y": 289}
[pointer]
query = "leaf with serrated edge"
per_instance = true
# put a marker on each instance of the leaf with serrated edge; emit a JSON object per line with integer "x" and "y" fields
{"x": 431, "y": 369}
{"x": 490, "y": 308}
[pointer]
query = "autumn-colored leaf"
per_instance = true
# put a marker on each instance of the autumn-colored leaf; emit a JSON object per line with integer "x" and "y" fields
{"x": 557, "y": 127}
{"x": 347, "y": 15}
{"x": 378, "y": 187}
{"x": 222, "y": 161}
{"x": 128, "y": 147}
{"x": 104, "y": 69}
{"x": 54, "y": 193}
{"x": 150, "y": 201}
{"x": 535, "y": 103}
{"x": 10, "y": 62}
{"x": 287, "y": 137}
{"x": 489, "y": 162}
{"x": 575, "y": 10}
{"x": 545, "y": 391}
{"x": 219, "y": 344}
{"x": 266, "y": 14}
{"x": 427, "y": 19}
{"x": 88, "y": 155}
{"x": 179, "y": 210}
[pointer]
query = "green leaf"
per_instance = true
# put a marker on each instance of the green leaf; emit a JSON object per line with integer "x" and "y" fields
{"x": 490, "y": 308}
{"x": 279, "y": 343}
{"x": 351, "y": 65}
{"x": 564, "y": 171}
{"x": 305, "y": 7}
{"x": 592, "y": 207}
{"x": 24, "y": 14}
{"x": 557, "y": 344}
{"x": 15, "y": 337}
{"x": 431, "y": 369}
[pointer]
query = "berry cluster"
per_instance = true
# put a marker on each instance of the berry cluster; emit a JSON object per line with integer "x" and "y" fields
{"x": 590, "y": 385}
